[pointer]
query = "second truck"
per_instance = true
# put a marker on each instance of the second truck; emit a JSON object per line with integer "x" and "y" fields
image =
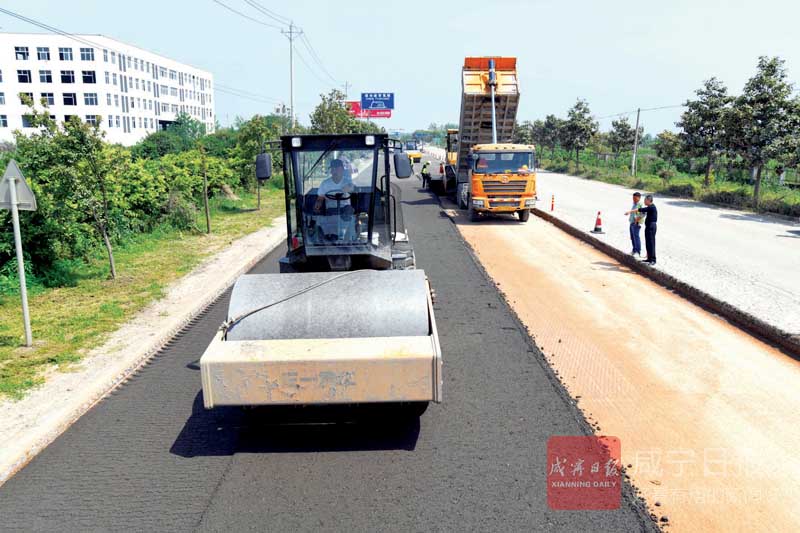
{"x": 491, "y": 173}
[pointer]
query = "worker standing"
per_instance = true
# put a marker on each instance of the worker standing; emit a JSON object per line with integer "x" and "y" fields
{"x": 635, "y": 221}
{"x": 426, "y": 174}
{"x": 650, "y": 226}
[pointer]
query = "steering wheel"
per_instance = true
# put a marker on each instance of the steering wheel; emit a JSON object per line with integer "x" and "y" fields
{"x": 337, "y": 195}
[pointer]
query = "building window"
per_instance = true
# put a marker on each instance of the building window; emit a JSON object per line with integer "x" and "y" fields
{"x": 46, "y": 76}
{"x": 1, "y": 76}
{"x": 148, "y": 86}
{"x": 108, "y": 99}
{"x": 110, "y": 121}
{"x": 135, "y": 64}
{"x": 90, "y": 98}
{"x": 114, "y": 78}
{"x": 116, "y": 120}
{"x": 152, "y": 124}
{"x": 87, "y": 54}
{"x": 91, "y": 120}
{"x": 165, "y": 108}
{"x": 108, "y": 78}
{"x": 113, "y": 58}
{"x": 129, "y": 61}
{"x": 70, "y": 99}
{"x": 89, "y": 76}
{"x": 65, "y": 54}
{"x": 48, "y": 99}
{"x": 137, "y": 84}
{"x": 173, "y": 91}
{"x": 24, "y": 76}
{"x": 133, "y": 123}
{"x": 116, "y": 100}
{"x": 105, "y": 55}
{"x": 27, "y": 121}
{"x": 24, "y": 98}
{"x": 43, "y": 53}
{"x": 67, "y": 76}
{"x": 68, "y": 118}
{"x": 2, "y": 98}
{"x": 3, "y": 121}
{"x": 21, "y": 52}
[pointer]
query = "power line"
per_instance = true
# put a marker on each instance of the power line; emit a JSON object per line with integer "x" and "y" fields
{"x": 247, "y": 95}
{"x": 627, "y": 113}
{"x": 271, "y": 14}
{"x": 316, "y": 58}
{"x": 248, "y": 17}
{"x": 324, "y": 82}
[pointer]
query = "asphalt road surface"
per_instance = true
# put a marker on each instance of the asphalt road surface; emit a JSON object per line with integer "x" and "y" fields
{"x": 149, "y": 457}
{"x": 747, "y": 259}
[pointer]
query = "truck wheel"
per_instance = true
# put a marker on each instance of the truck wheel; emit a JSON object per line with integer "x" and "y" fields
{"x": 524, "y": 215}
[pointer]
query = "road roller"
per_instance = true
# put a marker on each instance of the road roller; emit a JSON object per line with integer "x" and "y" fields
{"x": 349, "y": 319}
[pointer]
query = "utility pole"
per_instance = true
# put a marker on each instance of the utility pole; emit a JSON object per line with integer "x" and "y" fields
{"x": 205, "y": 190}
{"x": 291, "y": 34}
{"x": 346, "y": 86}
{"x": 635, "y": 143}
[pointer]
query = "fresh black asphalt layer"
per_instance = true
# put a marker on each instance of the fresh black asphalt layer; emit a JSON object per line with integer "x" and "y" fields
{"x": 150, "y": 458}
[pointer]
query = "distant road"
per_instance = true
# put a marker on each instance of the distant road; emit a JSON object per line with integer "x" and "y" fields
{"x": 749, "y": 260}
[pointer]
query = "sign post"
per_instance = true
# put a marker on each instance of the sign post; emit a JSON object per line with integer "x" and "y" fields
{"x": 25, "y": 200}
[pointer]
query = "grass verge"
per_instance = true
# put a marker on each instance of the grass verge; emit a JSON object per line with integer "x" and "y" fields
{"x": 67, "y": 322}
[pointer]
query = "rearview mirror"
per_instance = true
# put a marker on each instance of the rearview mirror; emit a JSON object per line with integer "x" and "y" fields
{"x": 263, "y": 166}
{"x": 402, "y": 166}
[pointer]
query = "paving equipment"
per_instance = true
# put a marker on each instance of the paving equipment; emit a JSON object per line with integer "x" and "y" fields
{"x": 492, "y": 175}
{"x": 414, "y": 151}
{"x": 349, "y": 320}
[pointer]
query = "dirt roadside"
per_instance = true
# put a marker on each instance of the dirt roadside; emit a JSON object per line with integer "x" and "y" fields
{"x": 27, "y": 426}
{"x": 703, "y": 410}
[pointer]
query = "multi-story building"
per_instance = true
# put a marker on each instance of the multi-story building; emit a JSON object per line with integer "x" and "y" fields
{"x": 130, "y": 92}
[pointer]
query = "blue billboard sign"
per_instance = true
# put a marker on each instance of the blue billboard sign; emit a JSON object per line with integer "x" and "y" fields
{"x": 377, "y": 101}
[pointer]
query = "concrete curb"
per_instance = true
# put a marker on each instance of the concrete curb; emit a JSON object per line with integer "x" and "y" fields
{"x": 28, "y": 426}
{"x": 789, "y": 343}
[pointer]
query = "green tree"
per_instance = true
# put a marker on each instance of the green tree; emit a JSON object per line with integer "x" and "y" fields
{"x": 179, "y": 136}
{"x": 332, "y": 115}
{"x": 551, "y": 132}
{"x": 622, "y": 135}
{"x": 759, "y": 126}
{"x": 702, "y": 123}
{"x": 667, "y": 146}
{"x": 579, "y": 129}
{"x": 523, "y": 133}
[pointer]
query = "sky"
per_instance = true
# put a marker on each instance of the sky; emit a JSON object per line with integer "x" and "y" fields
{"x": 616, "y": 54}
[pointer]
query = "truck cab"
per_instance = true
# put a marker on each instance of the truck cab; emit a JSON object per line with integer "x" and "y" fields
{"x": 502, "y": 179}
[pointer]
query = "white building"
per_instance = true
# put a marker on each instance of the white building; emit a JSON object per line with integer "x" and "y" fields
{"x": 130, "y": 91}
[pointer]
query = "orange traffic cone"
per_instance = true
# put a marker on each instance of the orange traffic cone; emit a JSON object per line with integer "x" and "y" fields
{"x": 598, "y": 225}
{"x": 441, "y": 168}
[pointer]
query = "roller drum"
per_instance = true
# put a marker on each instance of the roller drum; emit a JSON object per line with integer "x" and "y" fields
{"x": 369, "y": 303}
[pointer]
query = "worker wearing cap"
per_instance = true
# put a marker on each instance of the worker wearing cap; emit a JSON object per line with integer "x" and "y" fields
{"x": 337, "y": 183}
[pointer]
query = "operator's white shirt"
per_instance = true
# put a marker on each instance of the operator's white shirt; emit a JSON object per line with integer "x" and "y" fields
{"x": 345, "y": 185}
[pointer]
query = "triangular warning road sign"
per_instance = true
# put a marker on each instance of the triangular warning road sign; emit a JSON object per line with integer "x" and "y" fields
{"x": 26, "y": 201}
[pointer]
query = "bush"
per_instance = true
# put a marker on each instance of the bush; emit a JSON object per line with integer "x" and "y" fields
{"x": 682, "y": 190}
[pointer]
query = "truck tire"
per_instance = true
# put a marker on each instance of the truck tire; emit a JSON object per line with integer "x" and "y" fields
{"x": 524, "y": 215}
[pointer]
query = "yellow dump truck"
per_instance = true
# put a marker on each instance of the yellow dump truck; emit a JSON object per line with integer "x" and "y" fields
{"x": 492, "y": 174}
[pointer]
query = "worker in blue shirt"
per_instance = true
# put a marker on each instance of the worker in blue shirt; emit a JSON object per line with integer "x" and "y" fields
{"x": 650, "y": 227}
